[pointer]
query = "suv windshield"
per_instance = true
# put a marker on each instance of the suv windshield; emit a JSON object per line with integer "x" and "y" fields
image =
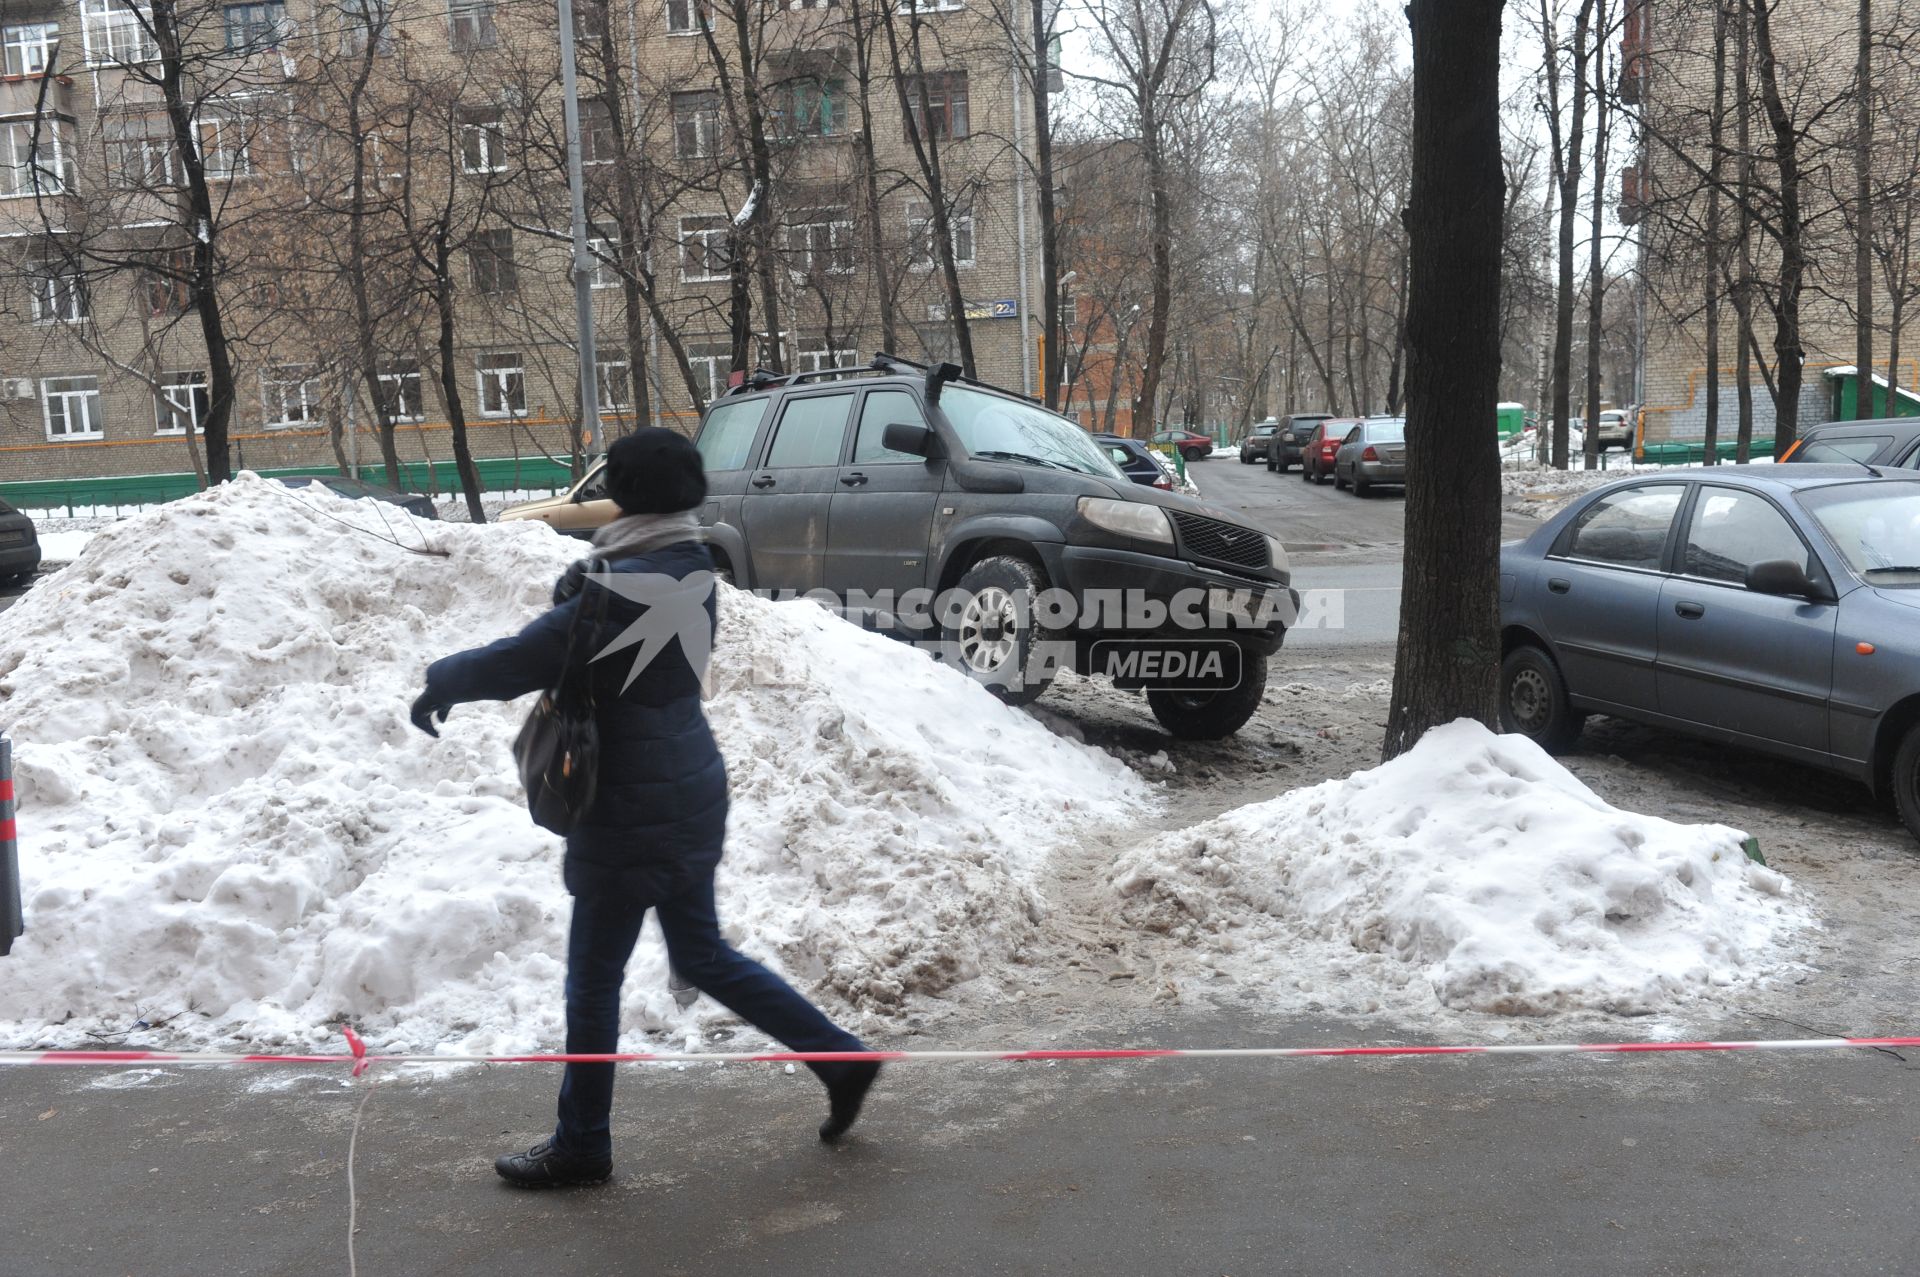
{"x": 998, "y": 429}
{"x": 1875, "y": 526}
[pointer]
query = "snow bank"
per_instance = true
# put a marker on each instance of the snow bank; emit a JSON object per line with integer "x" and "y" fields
{"x": 1473, "y": 871}
{"x": 228, "y": 824}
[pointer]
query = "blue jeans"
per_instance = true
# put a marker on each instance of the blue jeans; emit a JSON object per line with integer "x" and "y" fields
{"x": 599, "y": 943}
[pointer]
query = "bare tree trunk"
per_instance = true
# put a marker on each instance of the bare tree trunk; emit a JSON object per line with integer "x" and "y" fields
{"x": 1716, "y": 145}
{"x": 1449, "y": 647}
{"x": 450, "y": 382}
{"x": 1052, "y": 333}
{"x": 1743, "y": 286}
{"x": 1567, "y": 169}
{"x": 868, "y": 159}
{"x": 1596, "y": 262}
{"x": 1789, "y": 358}
{"x": 1863, "y": 218}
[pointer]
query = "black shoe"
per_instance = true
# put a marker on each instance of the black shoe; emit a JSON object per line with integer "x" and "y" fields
{"x": 845, "y": 1095}
{"x": 544, "y": 1166}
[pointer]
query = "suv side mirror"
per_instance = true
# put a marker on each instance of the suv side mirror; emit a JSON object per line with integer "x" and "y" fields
{"x": 905, "y": 436}
{"x": 1783, "y": 577}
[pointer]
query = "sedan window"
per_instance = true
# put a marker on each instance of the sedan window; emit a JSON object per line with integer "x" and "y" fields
{"x": 1876, "y": 527}
{"x": 1353, "y": 436}
{"x": 1732, "y": 531}
{"x": 1628, "y": 528}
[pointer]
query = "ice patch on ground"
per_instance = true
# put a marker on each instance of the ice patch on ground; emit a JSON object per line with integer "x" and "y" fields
{"x": 1474, "y": 873}
{"x": 225, "y": 812}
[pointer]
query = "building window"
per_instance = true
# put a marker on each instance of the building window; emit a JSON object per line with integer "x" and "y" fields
{"x": 820, "y": 242}
{"x": 931, "y": 6}
{"x": 687, "y": 17}
{"x": 490, "y": 256}
{"x": 706, "y": 249}
{"x": 170, "y": 290}
{"x": 224, "y": 150}
{"x": 596, "y": 132}
{"x": 291, "y": 395}
{"x": 815, "y": 355}
{"x": 605, "y": 248}
{"x": 36, "y": 157}
{"x": 182, "y": 403}
{"x": 115, "y": 31}
{"x": 812, "y": 4}
{"x": 713, "y": 362}
{"x": 696, "y": 124}
{"x": 256, "y": 26}
{"x": 470, "y": 25}
{"x": 362, "y": 21}
{"x": 400, "y": 390}
{"x": 809, "y": 107}
{"x": 140, "y": 152}
{"x": 937, "y": 101}
{"x": 31, "y": 47}
{"x": 614, "y": 384}
{"x": 921, "y": 254}
{"x": 483, "y": 140}
{"x": 59, "y": 289}
{"x": 72, "y": 406}
{"x": 503, "y": 386}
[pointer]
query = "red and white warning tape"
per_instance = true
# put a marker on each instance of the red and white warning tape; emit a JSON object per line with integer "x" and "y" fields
{"x": 360, "y": 1058}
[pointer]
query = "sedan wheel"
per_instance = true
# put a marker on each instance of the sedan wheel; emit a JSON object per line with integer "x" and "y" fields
{"x": 1533, "y": 700}
{"x": 1906, "y": 781}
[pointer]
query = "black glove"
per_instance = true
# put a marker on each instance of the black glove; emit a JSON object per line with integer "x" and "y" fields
{"x": 426, "y": 707}
{"x": 572, "y": 581}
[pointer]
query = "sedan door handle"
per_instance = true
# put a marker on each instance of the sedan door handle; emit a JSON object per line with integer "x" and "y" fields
{"x": 1559, "y": 584}
{"x": 763, "y": 481}
{"x": 853, "y": 480}
{"x": 1692, "y": 611}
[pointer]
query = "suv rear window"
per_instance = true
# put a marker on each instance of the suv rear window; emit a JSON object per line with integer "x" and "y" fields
{"x": 1858, "y": 448}
{"x": 726, "y": 439}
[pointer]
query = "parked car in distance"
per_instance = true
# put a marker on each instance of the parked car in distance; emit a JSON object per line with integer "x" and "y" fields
{"x": 1775, "y": 608}
{"x": 1290, "y": 441}
{"x": 1615, "y": 430}
{"x": 413, "y": 503}
{"x": 1258, "y": 441}
{"x": 580, "y": 511}
{"x": 1373, "y": 452}
{"x": 1322, "y": 446}
{"x": 1889, "y": 441}
{"x": 19, "y": 545}
{"x": 1135, "y": 460}
{"x": 904, "y": 483}
{"x": 1192, "y": 446}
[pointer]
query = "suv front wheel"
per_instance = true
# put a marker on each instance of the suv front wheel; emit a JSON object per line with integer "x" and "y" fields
{"x": 1212, "y": 715}
{"x": 991, "y": 631}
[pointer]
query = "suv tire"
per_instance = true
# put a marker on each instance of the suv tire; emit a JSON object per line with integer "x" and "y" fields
{"x": 994, "y": 639}
{"x": 1212, "y": 715}
{"x": 1906, "y": 781}
{"x": 1533, "y": 701}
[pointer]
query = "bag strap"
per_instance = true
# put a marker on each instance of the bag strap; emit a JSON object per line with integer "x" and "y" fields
{"x": 594, "y": 563}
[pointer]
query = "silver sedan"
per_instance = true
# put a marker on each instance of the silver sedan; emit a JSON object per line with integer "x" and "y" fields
{"x": 1375, "y": 451}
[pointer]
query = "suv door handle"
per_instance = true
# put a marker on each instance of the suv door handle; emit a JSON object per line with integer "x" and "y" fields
{"x": 853, "y": 480}
{"x": 1559, "y": 584}
{"x": 1692, "y": 611}
{"x": 763, "y": 481}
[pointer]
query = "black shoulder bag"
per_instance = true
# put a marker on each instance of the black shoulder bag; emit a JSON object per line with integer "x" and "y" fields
{"x": 558, "y": 749}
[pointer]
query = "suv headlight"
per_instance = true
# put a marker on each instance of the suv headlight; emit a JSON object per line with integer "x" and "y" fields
{"x": 1277, "y": 555}
{"x": 1134, "y": 519}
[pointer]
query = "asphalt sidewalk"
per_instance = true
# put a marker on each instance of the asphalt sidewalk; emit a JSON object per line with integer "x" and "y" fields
{"x": 1784, "y": 1163}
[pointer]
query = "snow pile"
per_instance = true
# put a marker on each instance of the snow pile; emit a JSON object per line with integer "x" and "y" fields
{"x": 228, "y": 824}
{"x": 1474, "y": 871}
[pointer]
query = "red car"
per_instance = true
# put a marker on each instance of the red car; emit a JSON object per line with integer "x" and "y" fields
{"x": 1194, "y": 447}
{"x": 1316, "y": 456}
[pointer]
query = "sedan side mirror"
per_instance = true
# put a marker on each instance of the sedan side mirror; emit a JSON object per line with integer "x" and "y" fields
{"x": 905, "y": 436}
{"x": 1783, "y": 577}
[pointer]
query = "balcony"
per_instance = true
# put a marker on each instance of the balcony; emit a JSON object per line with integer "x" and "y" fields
{"x": 1633, "y": 76}
{"x": 1636, "y": 193}
{"x": 23, "y": 95}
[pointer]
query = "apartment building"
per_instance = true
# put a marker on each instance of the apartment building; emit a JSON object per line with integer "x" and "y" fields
{"x": 387, "y": 212}
{"x": 1669, "y": 53}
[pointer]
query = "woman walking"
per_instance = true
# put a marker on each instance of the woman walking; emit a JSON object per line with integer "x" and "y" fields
{"x": 654, "y": 833}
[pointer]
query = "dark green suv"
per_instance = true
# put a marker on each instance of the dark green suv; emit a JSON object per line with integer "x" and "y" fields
{"x": 972, "y": 521}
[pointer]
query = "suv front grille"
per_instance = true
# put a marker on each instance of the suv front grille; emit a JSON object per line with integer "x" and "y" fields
{"x": 1223, "y": 542}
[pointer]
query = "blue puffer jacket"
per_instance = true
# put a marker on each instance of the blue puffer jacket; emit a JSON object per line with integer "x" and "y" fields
{"x": 659, "y": 815}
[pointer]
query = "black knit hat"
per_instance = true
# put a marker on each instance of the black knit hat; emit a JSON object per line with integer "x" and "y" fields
{"x": 655, "y": 471}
